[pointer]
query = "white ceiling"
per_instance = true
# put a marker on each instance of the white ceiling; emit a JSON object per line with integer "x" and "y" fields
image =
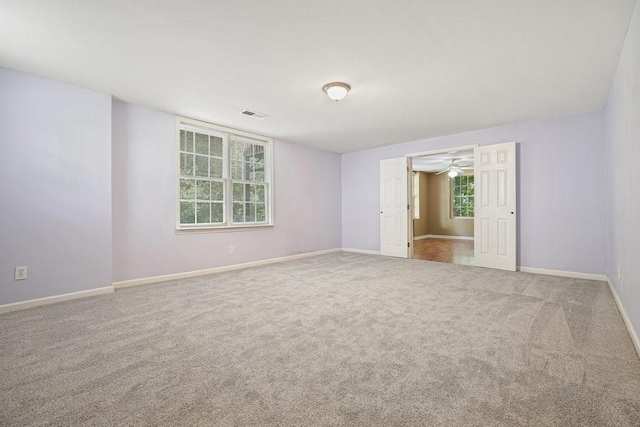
{"x": 417, "y": 69}
{"x": 440, "y": 162}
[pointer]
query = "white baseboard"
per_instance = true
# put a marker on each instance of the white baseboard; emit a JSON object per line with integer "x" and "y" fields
{"x": 625, "y": 317}
{"x": 196, "y": 273}
{"x": 6, "y": 308}
{"x": 436, "y": 236}
{"x": 572, "y": 274}
{"x": 361, "y": 251}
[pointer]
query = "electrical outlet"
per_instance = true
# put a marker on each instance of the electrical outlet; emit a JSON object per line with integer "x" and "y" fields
{"x": 232, "y": 250}
{"x": 20, "y": 273}
{"x": 618, "y": 274}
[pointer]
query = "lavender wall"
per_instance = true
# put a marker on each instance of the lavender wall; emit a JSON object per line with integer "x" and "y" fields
{"x": 55, "y": 187}
{"x": 59, "y": 186}
{"x": 560, "y": 187}
{"x": 622, "y": 157}
{"x": 145, "y": 243}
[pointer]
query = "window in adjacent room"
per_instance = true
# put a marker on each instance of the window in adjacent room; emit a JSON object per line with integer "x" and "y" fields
{"x": 416, "y": 195}
{"x": 225, "y": 177}
{"x": 462, "y": 196}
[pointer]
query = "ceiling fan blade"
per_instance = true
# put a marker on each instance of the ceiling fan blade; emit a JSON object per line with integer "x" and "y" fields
{"x": 446, "y": 170}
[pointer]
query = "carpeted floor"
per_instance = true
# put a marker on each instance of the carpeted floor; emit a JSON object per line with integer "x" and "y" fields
{"x": 338, "y": 339}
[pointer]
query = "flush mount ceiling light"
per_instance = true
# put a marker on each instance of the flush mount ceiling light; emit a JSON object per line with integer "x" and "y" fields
{"x": 336, "y": 90}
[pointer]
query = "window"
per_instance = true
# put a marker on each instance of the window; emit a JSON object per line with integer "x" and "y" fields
{"x": 416, "y": 195}
{"x": 462, "y": 200}
{"x": 225, "y": 177}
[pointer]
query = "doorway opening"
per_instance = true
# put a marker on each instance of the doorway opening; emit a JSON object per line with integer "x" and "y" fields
{"x": 494, "y": 204}
{"x": 443, "y": 189}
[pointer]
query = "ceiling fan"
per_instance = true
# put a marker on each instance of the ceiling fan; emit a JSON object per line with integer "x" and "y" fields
{"x": 454, "y": 170}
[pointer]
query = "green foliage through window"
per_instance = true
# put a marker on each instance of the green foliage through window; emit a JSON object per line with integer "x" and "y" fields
{"x": 223, "y": 179}
{"x": 463, "y": 196}
{"x": 201, "y": 183}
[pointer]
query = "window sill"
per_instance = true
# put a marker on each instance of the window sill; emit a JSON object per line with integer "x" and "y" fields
{"x": 231, "y": 229}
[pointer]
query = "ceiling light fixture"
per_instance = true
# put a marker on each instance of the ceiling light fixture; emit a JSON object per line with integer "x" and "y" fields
{"x": 336, "y": 90}
{"x": 453, "y": 173}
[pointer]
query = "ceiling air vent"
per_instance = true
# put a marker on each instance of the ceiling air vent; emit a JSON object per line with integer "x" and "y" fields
{"x": 254, "y": 114}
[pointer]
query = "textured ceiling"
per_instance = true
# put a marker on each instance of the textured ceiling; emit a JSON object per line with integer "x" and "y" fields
{"x": 418, "y": 69}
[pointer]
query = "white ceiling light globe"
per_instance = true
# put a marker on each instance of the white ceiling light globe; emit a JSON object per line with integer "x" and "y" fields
{"x": 336, "y": 90}
{"x": 453, "y": 173}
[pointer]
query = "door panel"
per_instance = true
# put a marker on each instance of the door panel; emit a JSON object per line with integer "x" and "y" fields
{"x": 495, "y": 218}
{"x": 394, "y": 233}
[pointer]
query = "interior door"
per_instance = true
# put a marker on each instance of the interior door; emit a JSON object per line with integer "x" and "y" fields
{"x": 394, "y": 207}
{"x": 495, "y": 206}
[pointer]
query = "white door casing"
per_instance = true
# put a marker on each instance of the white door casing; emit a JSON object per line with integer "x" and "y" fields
{"x": 495, "y": 206}
{"x": 394, "y": 228}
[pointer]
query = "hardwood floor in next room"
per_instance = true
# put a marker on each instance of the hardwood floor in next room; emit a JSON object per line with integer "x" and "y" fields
{"x": 444, "y": 250}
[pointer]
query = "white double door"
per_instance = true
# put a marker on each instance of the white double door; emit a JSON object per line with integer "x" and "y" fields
{"x": 495, "y": 206}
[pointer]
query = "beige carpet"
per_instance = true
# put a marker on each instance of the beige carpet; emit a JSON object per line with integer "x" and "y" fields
{"x": 338, "y": 339}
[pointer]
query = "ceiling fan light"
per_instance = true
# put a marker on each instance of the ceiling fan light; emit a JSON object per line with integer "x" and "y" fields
{"x": 453, "y": 173}
{"x": 336, "y": 90}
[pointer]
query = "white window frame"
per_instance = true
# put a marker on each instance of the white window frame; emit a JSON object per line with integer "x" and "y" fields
{"x": 416, "y": 195}
{"x": 452, "y": 183}
{"x": 224, "y": 132}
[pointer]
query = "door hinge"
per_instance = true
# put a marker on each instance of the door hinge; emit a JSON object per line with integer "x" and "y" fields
{"x": 408, "y": 244}
{"x": 408, "y": 207}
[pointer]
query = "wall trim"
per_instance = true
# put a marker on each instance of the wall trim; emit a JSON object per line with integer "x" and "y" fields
{"x": 22, "y": 305}
{"x": 625, "y": 317}
{"x": 361, "y": 251}
{"x": 196, "y": 273}
{"x": 437, "y": 236}
{"x": 572, "y": 274}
